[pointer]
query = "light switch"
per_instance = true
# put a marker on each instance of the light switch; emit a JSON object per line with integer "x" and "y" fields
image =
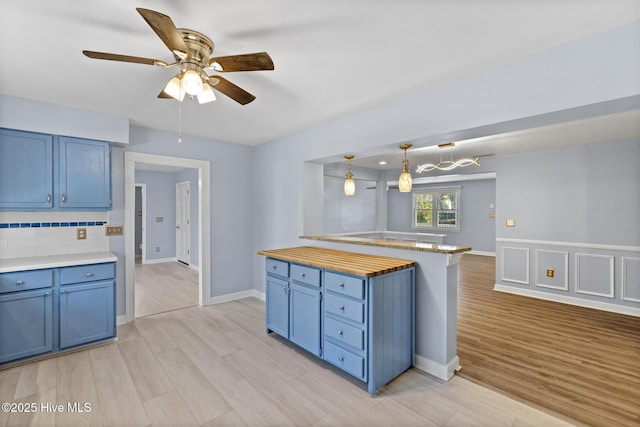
{"x": 113, "y": 230}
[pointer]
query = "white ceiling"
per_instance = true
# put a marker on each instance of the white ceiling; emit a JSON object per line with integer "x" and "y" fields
{"x": 332, "y": 57}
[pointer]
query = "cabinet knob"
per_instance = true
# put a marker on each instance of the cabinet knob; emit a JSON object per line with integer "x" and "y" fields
{"x": 341, "y": 284}
{"x": 275, "y": 267}
{"x": 64, "y": 198}
{"x": 89, "y": 274}
{"x": 49, "y": 198}
{"x": 302, "y": 274}
{"x": 340, "y": 332}
{"x": 341, "y": 358}
{"x": 341, "y": 307}
{"x": 20, "y": 282}
{"x": 63, "y": 291}
{"x": 46, "y": 294}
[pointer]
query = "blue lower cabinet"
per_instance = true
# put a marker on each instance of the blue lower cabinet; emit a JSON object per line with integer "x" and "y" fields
{"x": 53, "y": 309}
{"x": 304, "y": 311}
{"x": 86, "y": 313}
{"x": 26, "y": 324}
{"x": 362, "y": 325}
{"x": 277, "y": 308}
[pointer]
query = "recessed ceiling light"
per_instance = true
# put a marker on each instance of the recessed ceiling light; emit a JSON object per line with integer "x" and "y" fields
{"x": 382, "y": 162}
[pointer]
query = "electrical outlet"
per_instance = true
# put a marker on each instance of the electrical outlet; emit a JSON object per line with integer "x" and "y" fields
{"x": 113, "y": 230}
{"x": 81, "y": 233}
{"x": 550, "y": 272}
{"x": 157, "y": 248}
{"x": 511, "y": 222}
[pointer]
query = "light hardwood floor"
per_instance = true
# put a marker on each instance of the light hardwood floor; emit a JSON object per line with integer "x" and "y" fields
{"x": 164, "y": 287}
{"x": 578, "y": 362}
{"x": 215, "y": 366}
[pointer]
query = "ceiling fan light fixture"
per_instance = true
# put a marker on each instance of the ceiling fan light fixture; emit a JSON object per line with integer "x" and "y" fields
{"x": 206, "y": 95}
{"x": 174, "y": 89}
{"x": 192, "y": 82}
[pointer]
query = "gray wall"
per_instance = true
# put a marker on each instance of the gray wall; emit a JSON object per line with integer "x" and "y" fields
{"x": 344, "y": 214}
{"x": 476, "y": 228}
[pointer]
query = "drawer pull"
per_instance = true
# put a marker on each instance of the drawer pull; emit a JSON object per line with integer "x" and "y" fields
{"x": 340, "y": 332}
{"x": 20, "y": 282}
{"x": 341, "y": 307}
{"x": 89, "y": 274}
{"x": 302, "y": 274}
{"x": 341, "y": 358}
{"x": 341, "y": 284}
{"x": 46, "y": 294}
{"x": 63, "y": 291}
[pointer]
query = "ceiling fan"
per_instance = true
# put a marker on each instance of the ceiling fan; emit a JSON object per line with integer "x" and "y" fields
{"x": 192, "y": 52}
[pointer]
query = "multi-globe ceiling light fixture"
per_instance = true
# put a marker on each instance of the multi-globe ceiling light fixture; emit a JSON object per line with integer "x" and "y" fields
{"x": 349, "y": 183}
{"x": 447, "y": 165}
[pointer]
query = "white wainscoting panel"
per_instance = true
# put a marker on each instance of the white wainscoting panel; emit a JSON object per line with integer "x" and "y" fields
{"x": 595, "y": 275}
{"x": 631, "y": 279}
{"x": 554, "y": 260}
{"x": 515, "y": 265}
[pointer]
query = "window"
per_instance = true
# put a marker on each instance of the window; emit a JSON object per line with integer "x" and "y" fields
{"x": 437, "y": 208}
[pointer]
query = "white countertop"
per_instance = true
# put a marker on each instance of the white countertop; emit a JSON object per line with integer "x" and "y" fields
{"x": 53, "y": 261}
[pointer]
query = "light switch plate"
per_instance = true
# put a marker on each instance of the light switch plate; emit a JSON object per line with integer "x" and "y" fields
{"x": 113, "y": 230}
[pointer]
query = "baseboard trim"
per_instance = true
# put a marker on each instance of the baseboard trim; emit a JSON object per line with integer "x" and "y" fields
{"x": 237, "y": 295}
{"x": 438, "y": 370}
{"x": 493, "y": 254}
{"x": 159, "y": 260}
{"x": 597, "y": 305}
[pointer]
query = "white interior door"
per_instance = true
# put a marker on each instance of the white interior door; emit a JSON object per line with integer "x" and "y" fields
{"x": 182, "y": 222}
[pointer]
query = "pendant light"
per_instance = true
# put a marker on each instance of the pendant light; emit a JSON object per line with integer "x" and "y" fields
{"x": 404, "y": 182}
{"x": 447, "y": 165}
{"x": 349, "y": 183}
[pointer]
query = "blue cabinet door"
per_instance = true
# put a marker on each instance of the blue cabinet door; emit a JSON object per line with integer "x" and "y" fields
{"x": 26, "y": 324}
{"x": 26, "y": 170}
{"x": 84, "y": 174}
{"x": 277, "y": 306}
{"x": 86, "y": 313}
{"x": 304, "y": 317}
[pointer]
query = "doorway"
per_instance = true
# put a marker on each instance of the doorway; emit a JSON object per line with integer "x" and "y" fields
{"x": 183, "y": 226}
{"x": 204, "y": 225}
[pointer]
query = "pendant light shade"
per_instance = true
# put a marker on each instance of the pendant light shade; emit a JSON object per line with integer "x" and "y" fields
{"x": 192, "y": 82}
{"x": 404, "y": 181}
{"x": 349, "y": 183}
{"x": 174, "y": 88}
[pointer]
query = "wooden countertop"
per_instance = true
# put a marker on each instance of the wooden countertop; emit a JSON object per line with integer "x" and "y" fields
{"x": 345, "y": 262}
{"x": 411, "y": 246}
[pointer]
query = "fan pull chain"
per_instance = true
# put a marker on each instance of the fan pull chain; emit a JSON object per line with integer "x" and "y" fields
{"x": 179, "y": 121}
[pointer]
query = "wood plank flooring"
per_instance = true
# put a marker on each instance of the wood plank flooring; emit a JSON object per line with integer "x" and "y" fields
{"x": 580, "y": 363}
{"x": 164, "y": 287}
{"x": 215, "y": 366}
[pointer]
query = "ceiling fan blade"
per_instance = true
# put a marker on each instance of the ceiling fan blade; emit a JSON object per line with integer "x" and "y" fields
{"x": 166, "y": 30}
{"x": 124, "y": 58}
{"x": 231, "y": 90}
{"x": 247, "y": 62}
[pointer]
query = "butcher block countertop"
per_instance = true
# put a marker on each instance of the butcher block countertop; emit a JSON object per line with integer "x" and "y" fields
{"x": 342, "y": 261}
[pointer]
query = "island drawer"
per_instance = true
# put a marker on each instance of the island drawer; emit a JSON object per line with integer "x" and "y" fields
{"x": 343, "y": 333}
{"x": 24, "y": 280}
{"x": 345, "y": 285}
{"x": 352, "y": 310}
{"x": 344, "y": 360}
{"x": 85, "y": 273}
{"x": 304, "y": 274}
{"x": 276, "y": 267}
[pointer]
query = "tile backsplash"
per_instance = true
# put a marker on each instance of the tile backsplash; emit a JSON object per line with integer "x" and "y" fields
{"x": 26, "y": 234}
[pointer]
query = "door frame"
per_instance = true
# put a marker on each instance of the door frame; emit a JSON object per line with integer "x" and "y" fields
{"x": 143, "y": 188}
{"x": 186, "y": 184}
{"x": 204, "y": 221}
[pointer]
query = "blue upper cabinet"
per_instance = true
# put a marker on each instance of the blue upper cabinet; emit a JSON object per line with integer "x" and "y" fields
{"x": 26, "y": 170}
{"x": 46, "y": 172}
{"x": 84, "y": 174}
